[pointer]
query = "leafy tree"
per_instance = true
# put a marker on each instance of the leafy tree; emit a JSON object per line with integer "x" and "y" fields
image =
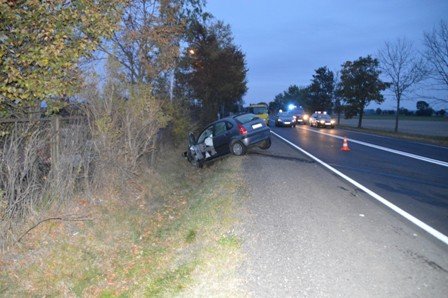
{"x": 338, "y": 100}
{"x": 293, "y": 95}
{"x": 403, "y": 68}
{"x": 321, "y": 90}
{"x": 422, "y": 105}
{"x": 423, "y": 109}
{"x": 360, "y": 84}
{"x": 213, "y": 70}
{"x": 41, "y": 43}
{"x": 404, "y": 111}
{"x": 378, "y": 111}
{"x": 274, "y": 106}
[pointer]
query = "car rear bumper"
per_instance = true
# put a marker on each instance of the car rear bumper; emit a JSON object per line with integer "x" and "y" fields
{"x": 256, "y": 138}
{"x": 292, "y": 123}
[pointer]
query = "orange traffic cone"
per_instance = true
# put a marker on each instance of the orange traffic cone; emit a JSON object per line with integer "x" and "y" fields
{"x": 345, "y": 145}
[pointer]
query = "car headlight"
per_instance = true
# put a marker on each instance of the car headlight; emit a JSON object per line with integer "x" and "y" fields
{"x": 280, "y": 120}
{"x": 333, "y": 122}
{"x": 305, "y": 117}
{"x": 322, "y": 121}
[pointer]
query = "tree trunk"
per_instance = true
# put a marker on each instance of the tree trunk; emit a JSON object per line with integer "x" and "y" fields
{"x": 361, "y": 114}
{"x": 397, "y": 113}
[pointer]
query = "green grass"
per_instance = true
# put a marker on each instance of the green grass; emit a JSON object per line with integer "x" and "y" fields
{"x": 230, "y": 241}
{"x": 171, "y": 282}
{"x": 403, "y": 117}
{"x": 191, "y": 236}
{"x": 185, "y": 246}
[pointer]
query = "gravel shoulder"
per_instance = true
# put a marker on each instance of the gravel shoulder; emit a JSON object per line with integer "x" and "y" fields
{"x": 306, "y": 232}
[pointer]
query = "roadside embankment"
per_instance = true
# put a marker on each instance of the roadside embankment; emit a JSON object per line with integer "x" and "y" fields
{"x": 173, "y": 235}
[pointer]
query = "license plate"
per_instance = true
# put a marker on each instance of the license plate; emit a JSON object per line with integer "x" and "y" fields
{"x": 287, "y": 122}
{"x": 258, "y": 125}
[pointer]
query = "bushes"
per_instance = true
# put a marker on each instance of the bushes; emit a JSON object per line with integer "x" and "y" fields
{"x": 46, "y": 162}
{"x": 124, "y": 131}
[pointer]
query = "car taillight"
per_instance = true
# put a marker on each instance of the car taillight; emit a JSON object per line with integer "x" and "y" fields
{"x": 242, "y": 129}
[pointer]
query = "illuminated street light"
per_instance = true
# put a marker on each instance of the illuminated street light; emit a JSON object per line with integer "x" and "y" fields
{"x": 191, "y": 51}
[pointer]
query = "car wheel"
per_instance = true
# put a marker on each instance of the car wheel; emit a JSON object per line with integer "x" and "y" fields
{"x": 198, "y": 163}
{"x": 237, "y": 148}
{"x": 265, "y": 144}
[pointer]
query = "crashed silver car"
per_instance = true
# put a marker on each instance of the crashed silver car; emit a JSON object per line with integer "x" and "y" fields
{"x": 234, "y": 134}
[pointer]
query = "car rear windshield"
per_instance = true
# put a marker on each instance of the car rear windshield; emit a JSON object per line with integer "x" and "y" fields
{"x": 245, "y": 118}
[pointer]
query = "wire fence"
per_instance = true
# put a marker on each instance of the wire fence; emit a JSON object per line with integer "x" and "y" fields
{"x": 43, "y": 160}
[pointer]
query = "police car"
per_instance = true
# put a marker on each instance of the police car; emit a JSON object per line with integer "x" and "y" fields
{"x": 321, "y": 119}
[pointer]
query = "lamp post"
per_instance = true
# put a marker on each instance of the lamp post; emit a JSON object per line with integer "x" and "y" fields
{"x": 191, "y": 52}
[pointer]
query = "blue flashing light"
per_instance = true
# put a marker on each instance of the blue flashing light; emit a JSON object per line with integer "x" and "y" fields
{"x": 291, "y": 107}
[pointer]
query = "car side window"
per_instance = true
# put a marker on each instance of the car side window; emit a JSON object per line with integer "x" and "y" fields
{"x": 205, "y": 134}
{"x": 229, "y": 125}
{"x": 220, "y": 128}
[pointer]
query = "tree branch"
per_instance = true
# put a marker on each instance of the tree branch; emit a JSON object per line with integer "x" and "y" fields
{"x": 53, "y": 218}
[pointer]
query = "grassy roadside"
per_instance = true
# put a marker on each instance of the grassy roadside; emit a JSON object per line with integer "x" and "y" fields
{"x": 173, "y": 237}
{"x": 442, "y": 141}
{"x": 403, "y": 117}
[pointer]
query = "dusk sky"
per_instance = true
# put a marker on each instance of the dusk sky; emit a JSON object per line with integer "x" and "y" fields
{"x": 286, "y": 40}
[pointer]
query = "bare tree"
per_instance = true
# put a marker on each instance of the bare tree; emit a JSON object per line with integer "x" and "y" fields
{"x": 400, "y": 63}
{"x": 436, "y": 54}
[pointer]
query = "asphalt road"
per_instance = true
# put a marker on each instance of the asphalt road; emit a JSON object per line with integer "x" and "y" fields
{"x": 308, "y": 233}
{"x": 419, "y": 187}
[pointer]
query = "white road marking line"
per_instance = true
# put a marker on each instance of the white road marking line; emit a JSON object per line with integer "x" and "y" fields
{"x": 376, "y": 196}
{"x": 403, "y": 153}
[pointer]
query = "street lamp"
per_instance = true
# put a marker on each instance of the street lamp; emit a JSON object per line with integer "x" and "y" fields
{"x": 191, "y": 52}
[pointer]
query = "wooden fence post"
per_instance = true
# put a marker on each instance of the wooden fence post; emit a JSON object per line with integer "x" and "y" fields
{"x": 56, "y": 138}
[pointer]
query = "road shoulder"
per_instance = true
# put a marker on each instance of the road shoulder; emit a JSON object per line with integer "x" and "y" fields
{"x": 308, "y": 233}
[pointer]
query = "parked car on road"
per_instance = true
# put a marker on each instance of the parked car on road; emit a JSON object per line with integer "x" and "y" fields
{"x": 321, "y": 119}
{"x": 301, "y": 116}
{"x": 234, "y": 134}
{"x": 285, "y": 119}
